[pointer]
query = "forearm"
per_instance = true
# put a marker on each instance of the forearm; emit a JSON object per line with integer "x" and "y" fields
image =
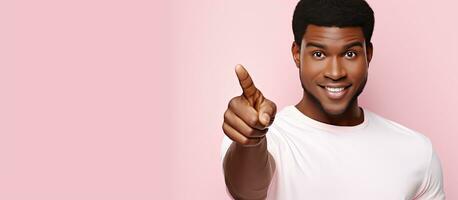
{"x": 248, "y": 170}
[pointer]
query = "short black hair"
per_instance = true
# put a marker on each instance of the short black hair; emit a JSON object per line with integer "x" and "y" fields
{"x": 333, "y": 13}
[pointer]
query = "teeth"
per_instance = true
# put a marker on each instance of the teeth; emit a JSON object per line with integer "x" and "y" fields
{"x": 331, "y": 89}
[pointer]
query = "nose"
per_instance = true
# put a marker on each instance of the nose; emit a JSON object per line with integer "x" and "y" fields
{"x": 334, "y": 70}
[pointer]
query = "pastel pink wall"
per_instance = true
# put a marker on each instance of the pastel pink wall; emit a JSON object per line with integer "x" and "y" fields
{"x": 84, "y": 100}
{"x": 124, "y": 99}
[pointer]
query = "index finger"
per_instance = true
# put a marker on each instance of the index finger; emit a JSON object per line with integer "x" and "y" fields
{"x": 245, "y": 81}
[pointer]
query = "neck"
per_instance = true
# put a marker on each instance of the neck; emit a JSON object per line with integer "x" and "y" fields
{"x": 352, "y": 116}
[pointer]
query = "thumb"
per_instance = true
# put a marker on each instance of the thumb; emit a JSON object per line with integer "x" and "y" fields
{"x": 267, "y": 111}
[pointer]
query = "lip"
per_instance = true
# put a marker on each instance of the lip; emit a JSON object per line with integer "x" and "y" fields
{"x": 335, "y": 95}
{"x": 335, "y": 85}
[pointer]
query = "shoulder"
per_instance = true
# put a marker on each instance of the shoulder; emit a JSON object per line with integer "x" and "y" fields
{"x": 396, "y": 128}
{"x": 406, "y": 142}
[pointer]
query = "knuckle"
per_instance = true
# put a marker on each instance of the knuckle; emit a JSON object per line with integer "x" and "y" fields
{"x": 250, "y": 132}
{"x": 226, "y": 115}
{"x": 252, "y": 120}
{"x": 274, "y": 106}
{"x": 233, "y": 102}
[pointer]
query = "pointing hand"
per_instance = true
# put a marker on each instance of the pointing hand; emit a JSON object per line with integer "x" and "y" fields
{"x": 249, "y": 115}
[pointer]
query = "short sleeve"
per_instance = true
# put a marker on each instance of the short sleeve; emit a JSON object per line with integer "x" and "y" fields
{"x": 226, "y": 142}
{"x": 432, "y": 187}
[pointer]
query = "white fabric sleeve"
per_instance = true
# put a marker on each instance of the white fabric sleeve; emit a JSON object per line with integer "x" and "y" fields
{"x": 432, "y": 187}
{"x": 226, "y": 142}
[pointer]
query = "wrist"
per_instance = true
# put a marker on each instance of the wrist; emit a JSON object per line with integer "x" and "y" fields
{"x": 254, "y": 142}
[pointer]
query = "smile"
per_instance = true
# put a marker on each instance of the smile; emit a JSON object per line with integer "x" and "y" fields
{"x": 334, "y": 90}
{"x": 335, "y": 93}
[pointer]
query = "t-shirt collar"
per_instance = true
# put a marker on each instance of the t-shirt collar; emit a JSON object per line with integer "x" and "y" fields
{"x": 297, "y": 114}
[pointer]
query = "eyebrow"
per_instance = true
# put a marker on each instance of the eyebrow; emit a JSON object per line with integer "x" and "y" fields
{"x": 313, "y": 44}
{"x": 353, "y": 44}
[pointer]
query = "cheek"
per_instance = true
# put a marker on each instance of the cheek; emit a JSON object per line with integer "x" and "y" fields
{"x": 312, "y": 68}
{"x": 310, "y": 72}
{"x": 356, "y": 71}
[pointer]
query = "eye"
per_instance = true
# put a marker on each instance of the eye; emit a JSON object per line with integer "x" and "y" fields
{"x": 350, "y": 54}
{"x": 318, "y": 55}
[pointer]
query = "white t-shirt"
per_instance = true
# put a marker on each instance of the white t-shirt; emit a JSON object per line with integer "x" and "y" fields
{"x": 377, "y": 159}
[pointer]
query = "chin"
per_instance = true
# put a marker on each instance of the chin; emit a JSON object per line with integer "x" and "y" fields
{"x": 334, "y": 109}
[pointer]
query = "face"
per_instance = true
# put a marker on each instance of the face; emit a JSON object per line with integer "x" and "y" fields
{"x": 333, "y": 65}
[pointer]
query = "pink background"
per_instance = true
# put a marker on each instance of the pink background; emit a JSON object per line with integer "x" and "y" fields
{"x": 125, "y": 99}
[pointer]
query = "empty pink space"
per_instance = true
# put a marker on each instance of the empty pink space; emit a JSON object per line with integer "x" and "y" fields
{"x": 125, "y": 99}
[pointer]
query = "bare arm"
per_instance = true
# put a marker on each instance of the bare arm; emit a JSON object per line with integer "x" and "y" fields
{"x": 248, "y": 170}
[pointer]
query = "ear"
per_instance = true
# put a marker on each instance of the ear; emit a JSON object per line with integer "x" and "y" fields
{"x": 369, "y": 52}
{"x": 296, "y": 51}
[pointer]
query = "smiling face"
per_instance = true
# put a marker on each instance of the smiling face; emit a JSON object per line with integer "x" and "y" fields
{"x": 333, "y": 65}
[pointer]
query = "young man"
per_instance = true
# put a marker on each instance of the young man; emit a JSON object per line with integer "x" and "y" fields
{"x": 325, "y": 146}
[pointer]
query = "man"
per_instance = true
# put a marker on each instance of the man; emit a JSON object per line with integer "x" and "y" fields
{"x": 326, "y": 146}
